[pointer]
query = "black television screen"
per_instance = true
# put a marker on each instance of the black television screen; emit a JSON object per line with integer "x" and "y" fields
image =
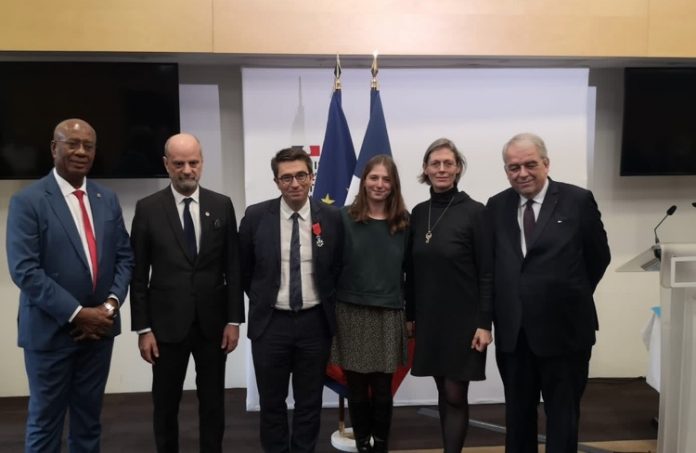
{"x": 134, "y": 108}
{"x": 659, "y": 125}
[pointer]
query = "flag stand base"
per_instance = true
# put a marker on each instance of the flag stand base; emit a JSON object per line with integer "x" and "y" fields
{"x": 342, "y": 440}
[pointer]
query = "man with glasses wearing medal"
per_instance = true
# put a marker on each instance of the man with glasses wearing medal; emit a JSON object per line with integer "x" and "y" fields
{"x": 550, "y": 251}
{"x": 69, "y": 254}
{"x": 291, "y": 251}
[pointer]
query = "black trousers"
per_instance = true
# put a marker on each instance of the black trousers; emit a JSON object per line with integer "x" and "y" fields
{"x": 168, "y": 374}
{"x": 561, "y": 380}
{"x": 297, "y": 345}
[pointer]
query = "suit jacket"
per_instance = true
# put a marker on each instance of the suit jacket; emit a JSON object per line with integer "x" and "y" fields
{"x": 548, "y": 292}
{"x": 48, "y": 263}
{"x": 170, "y": 290}
{"x": 259, "y": 235}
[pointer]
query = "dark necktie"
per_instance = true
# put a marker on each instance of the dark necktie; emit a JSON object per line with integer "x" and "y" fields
{"x": 295, "y": 270}
{"x": 89, "y": 233}
{"x": 189, "y": 231}
{"x": 528, "y": 222}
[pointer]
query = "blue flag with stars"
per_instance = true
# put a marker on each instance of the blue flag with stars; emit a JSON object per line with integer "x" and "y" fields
{"x": 337, "y": 159}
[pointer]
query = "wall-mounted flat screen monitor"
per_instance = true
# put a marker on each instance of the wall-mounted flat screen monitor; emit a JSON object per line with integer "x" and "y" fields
{"x": 134, "y": 108}
{"x": 659, "y": 122}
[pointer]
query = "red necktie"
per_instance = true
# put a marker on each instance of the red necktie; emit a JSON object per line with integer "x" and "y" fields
{"x": 91, "y": 242}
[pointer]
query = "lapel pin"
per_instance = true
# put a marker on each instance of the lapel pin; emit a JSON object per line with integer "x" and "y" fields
{"x": 98, "y": 195}
{"x": 207, "y": 214}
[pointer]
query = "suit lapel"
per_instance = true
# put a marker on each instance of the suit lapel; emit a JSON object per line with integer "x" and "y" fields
{"x": 172, "y": 215}
{"x": 208, "y": 216}
{"x": 512, "y": 204}
{"x": 60, "y": 209}
{"x": 274, "y": 230}
{"x": 547, "y": 208}
{"x": 316, "y": 211}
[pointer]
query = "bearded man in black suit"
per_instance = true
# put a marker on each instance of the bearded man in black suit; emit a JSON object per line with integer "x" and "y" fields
{"x": 186, "y": 294}
{"x": 550, "y": 252}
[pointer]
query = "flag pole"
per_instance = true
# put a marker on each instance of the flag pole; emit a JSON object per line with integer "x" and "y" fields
{"x": 337, "y": 73}
{"x": 374, "y": 69}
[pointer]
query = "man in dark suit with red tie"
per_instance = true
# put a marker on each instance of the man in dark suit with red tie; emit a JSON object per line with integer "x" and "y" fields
{"x": 550, "y": 252}
{"x": 291, "y": 257}
{"x": 186, "y": 295}
{"x": 68, "y": 252}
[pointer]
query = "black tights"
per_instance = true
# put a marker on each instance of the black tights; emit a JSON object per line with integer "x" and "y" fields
{"x": 360, "y": 385}
{"x": 453, "y": 405}
{"x": 370, "y": 405}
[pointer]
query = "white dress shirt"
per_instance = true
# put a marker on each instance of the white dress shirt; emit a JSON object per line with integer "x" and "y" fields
{"x": 309, "y": 292}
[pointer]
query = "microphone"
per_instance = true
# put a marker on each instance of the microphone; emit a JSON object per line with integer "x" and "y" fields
{"x": 670, "y": 211}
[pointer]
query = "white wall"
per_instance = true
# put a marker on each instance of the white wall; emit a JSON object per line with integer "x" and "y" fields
{"x": 630, "y": 207}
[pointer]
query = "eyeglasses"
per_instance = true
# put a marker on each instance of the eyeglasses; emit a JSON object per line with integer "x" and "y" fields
{"x": 74, "y": 145}
{"x": 300, "y": 177}
{"x": 437, "y": 164}
{"x": 515, "y": 168}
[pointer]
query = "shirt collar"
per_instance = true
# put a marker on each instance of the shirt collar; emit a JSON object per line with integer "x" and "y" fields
{"x": 65, "y": 187}
{"x": 179, "y": 198}
{"x": 538, "y": 198}
{"x": 287, "y": 211}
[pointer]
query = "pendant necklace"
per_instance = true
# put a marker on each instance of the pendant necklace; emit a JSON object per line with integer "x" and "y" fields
{"x": 429, "y": 234}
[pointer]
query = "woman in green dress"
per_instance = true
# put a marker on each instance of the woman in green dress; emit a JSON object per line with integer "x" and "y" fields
{"x": 370, "y": 340}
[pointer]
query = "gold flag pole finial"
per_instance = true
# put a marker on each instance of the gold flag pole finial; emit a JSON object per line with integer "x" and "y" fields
{"x": 374, "y": 69}
{"x": 337, "y": 73}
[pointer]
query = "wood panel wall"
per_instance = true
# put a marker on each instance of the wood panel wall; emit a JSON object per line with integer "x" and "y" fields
{"x": 514, "y": 28}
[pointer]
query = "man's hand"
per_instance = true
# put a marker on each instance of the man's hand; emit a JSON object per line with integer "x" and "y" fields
{"x": 482, "y": 338}
{"x": 147, "y": 343}
{"x": 230, "y": 338}
{"x": 92, "y": 323}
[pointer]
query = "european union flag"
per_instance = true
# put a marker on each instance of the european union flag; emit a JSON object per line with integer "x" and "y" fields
{"x": 337, "y": 159}
{"x": 376, "y": 141}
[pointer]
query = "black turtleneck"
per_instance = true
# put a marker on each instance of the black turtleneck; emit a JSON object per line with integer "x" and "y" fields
{"x": 442, "y": 199}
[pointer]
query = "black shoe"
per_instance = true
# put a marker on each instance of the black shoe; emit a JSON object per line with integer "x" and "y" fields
{"x": 363, "y": 445}
{"x": 380, "y": 446}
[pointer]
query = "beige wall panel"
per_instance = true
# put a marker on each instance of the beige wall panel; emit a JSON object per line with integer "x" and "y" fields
{"x": 478, "y": 27}
{"x": 672, "y": 31}
{"x": 106, "y": 25}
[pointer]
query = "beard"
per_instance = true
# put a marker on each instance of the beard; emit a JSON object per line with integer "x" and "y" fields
{"x": 185, "y": 185}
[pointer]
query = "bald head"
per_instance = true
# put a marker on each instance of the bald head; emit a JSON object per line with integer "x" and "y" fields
{"x": 182, "y": 140}
{"x": 183, "y": 160}
{"x": 73, "y": 124}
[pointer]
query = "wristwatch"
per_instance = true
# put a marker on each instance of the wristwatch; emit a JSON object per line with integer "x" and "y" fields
{"x": 110, "y": 307}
